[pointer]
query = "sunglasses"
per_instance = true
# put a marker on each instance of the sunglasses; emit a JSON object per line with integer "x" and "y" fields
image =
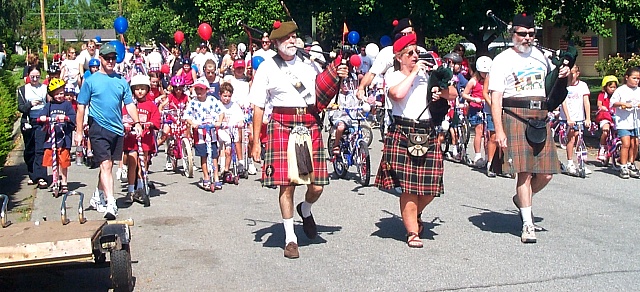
{"x": 411, "y": 53}
{"x": 109, "y": 58}
{"x": 72, "y": 52}
{"x": 33, "y": 77}
{"x": 525, "y": 33}
{"x": 407, "y": 33}
{"x": 266, "y": 42}
{"x": 210, "y": 72}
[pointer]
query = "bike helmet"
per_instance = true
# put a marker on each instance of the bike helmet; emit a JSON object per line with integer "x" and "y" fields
{"x": 454, "y": 57}
{"x": 55, "y": 84}
{"x": 94, "y": 63}
{"x": 53, "y": 69}
{"x": 69, "y": 88}
{"x": 609, "y": 78}
{"x": 177, "y": 81}
{"x": 483, "y": 64}
{"x": 140, "y": 79}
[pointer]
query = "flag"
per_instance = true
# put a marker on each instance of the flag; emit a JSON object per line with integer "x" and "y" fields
{"x": 345, "y": 30}
{"x": 590, "y": 48}
{"x": 164, "y": 52}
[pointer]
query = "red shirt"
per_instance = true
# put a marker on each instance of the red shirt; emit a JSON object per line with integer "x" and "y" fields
{"x": 147, "y": 113}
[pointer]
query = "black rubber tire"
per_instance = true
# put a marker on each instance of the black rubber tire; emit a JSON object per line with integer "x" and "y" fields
{"x": 121, "y": 273}
{"x": 340, "y": 167}
{"x": 99, "y": 257}
{"x": 146, "y": 200}
{"x": 367, "y": 135}
{"x": 187, "y": 157}
{"x": 444, "y": 146}
{"x": 365, "y": 168}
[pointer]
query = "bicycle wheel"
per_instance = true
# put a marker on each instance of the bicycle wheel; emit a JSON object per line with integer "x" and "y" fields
{"x": 562, "y": 139}
{"x": 444, "y": 146}
{"x": 367, "y": 134}
{"x": 363, "y": 163}
{"x": 465, "y": 131}
{"x": 616, "y": 155}
{"x": 187, "y": 157}
{"x": 330, "y": 141}
{"x": 340, "y": 167}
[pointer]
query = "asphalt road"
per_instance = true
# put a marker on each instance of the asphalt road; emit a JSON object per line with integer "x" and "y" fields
{"x": 233, "y": 239}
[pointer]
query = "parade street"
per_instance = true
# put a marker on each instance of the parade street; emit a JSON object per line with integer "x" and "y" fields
{"x": 233, "y": 239}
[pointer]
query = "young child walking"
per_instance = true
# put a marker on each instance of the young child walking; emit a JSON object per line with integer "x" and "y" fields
{"x": 61, "y": 113}
{"x": 575, "y": 109}
{"x": 626, "y": 100}
{"x": 233, "y": 116}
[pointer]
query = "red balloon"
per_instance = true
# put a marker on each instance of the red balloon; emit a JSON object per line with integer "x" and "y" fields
{"x": 204, "y": 31}
{"x": 178, "y": 37}
{"x": 355, "y": 60}
{"x": 165, "y": 69}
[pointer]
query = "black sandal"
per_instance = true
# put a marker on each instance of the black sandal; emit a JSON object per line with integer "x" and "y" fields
{"x": 64, "y": 189}
{"x": 42, "y": 184}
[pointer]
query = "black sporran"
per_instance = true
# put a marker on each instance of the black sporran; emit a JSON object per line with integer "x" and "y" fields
{"x": 418, "y": 144}
{"x": 536, "y": 131}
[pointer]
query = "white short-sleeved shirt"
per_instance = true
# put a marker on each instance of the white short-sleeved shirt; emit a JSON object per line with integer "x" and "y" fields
{"x": 519, "y": 74}
{"x": 73, "y": 69}
{"x": 274, "y": 86}
{"x": 415, "y": 101}
{"x": 200, "y": 59}
{"x": 625, "y": 117}
{"x": 240, "y": 92}
{"x": 575, "y": 102}
{"x": 233, "y": 114}
{"x": 365, "y": 63}
{"x": 85, "y": 57}
{"x": 266, "y": 54}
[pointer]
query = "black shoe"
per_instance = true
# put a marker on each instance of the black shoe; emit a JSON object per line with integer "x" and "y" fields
{"x": 308, "y": 224}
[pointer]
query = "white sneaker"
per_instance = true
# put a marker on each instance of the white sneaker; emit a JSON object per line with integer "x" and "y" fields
{"x": 602, "y": 154}
{"x": 124, "y": 174}
{"x": 252, "y": 169}
{"x": 98, "y": 202}
{"x": 119, "y": 173}
{"x": 479, "y": 163}
{"x": 168, "y": 166}
{"x": 571, "y": 169}
{"x": 111, "y": 212}
{"x": 528, "y": 234}
{"x": 587, "y": 171}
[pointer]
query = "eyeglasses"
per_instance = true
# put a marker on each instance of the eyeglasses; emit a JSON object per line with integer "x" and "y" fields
{"x": 407, "y": 33}
{"x": 34, "y": 77}
{"x": 266, "y": 42}
{"x": 210, "y": 72}
{"x": 525, "y": 33}
{"x": 411, "y": 53}
{"x": 109, "y": 58}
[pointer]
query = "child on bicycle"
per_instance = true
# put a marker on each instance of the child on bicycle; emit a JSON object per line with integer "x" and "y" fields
{"x": 603, "y": 115}
{"x": 339, "y": 117}
{"x": 233, "y": 117}
{"x": 473, "y": 95}
{"x": 201, "y": 110}
{"x": 176, "y": 101}
{"x": 627, "y": 98}
{"x": 57, "y": 109}
{"x": 150, "y": 119}
{"x": 575, "y": 109}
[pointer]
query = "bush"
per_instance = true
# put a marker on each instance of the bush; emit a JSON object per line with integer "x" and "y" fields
{"x": 16, "y": 61}
{"x": 8, "y": 112}
{"x": 616, "y": 65}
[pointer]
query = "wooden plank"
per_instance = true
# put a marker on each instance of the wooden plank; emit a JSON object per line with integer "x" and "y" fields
{"x": 48, "y": 231}
{"x": 44, "y": 252}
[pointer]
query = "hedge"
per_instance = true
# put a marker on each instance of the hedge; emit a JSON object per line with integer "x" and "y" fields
{"x": 8, "y": 112}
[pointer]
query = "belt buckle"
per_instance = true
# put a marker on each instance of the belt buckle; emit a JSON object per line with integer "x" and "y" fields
{"x": 535, "y": 104}
{"x": 301, "y": 110}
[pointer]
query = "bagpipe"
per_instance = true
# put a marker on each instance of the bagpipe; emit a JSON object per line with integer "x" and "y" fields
{"x": 555, "y": 87}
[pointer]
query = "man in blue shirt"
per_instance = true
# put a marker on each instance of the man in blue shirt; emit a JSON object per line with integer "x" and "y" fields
{"x": 106, "y": 91}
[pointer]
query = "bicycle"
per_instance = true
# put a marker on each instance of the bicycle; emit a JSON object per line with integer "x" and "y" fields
{"x": 53, "y": 124}
{"x": 142, "y": 193}
{"x": 558, "y": 130}
{"x": 613, "y": 148}
{"x": 354, "y": 151}
{"x": 580, "y": 150}
{"x": 209, "y": 132}
{"x": 461, "y": 130}
{"x": 234, "y": 175}
{"x": 178, "y": 145}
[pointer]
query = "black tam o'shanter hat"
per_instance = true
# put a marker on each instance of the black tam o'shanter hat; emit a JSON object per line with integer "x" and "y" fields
{"x": 523, "y": 20}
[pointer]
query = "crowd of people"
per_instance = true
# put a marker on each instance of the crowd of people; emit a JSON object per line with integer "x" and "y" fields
{"x": 263, "y": 105}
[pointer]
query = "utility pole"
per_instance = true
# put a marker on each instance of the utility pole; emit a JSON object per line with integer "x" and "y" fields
{"x": 59, "y": 36}
{"x": 45, "y": 48}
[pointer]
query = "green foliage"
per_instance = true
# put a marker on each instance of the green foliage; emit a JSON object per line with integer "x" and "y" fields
{"x": 616, "y": 65}
{"x": 16, "y": 61}
{"x": 445, "y": 44}
{"x": 8, "y": 112}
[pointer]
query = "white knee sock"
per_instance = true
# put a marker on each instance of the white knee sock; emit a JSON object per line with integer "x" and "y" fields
{"x": 290, "y": 234}
{"x": 477, "y": 157}
{"x": 306, "y": 209}
{"x": 526, "y": 216}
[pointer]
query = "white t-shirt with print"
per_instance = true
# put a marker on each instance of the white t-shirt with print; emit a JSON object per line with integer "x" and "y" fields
{"x": 203, "y": 112}
{"x": 575, "y": 102}
{"x": 519, "y": 74}
{"x": 625, "y": 117}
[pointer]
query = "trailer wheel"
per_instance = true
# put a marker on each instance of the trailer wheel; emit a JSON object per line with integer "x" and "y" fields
{"x": 121, "y": 276}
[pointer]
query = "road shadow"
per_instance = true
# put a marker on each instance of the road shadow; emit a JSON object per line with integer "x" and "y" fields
{"x": 13, "y": 179}
{"x": 393, "y": 228}
{"x": 498, "y": 222}
{"x": 84, "y": 277}
{"x": 275, "y": 236}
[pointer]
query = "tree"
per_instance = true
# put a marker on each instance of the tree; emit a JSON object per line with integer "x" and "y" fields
{"x": 11, "y": 17}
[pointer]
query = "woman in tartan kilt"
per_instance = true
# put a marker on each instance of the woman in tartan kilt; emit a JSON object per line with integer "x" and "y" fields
{"x": 517, "y": 86}
{"x": 295, "y": 89}
{"x": 419, "y": 177}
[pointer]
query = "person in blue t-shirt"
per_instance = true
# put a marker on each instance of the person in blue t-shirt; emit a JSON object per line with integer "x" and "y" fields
{"x": 94, "y": 66}
{"x": 106, "y": 91}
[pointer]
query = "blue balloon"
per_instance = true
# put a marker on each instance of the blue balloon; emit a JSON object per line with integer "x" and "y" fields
{"x": 256, "y": 61}
{"x": 385, "y": 41}
{"x": 353, "y": 37}
{"x": 120, "y": 50}
{"x": 121, "y": 24}
{"x": 99, "y": 38}
{"x": 131, "y": 49}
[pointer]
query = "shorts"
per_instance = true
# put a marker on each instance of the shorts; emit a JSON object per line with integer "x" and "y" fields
{"x": 625, "y": 132}
{"x": 347, "y": 122}
{"x": 490, "y": 126}
{"x": 475, "y": 117}
{"x": 224, "y": 136}
{"x": 106, "y": 145}
{"x": 148, "y": 143}
{"x": 201, "y": 150}
{"x": 64, "y": 157}
{"x": 604, "y": 122}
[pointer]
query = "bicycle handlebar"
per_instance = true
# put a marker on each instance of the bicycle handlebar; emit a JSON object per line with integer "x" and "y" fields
{"x": 46, "y": 119}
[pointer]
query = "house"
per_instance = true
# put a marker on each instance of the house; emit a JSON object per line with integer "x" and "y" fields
{"x": 83, "y": 35}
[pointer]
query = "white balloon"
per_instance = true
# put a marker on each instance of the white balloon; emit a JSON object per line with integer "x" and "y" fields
{"x": 366, "y": 107}
{"x": 242, "y": 47}
{"x": 372, "y": 50}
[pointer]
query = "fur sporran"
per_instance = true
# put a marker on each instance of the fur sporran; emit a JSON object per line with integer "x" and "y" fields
{"x": 299, "y": 156}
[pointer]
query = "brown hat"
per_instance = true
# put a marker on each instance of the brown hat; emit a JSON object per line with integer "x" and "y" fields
{"x": 282, "y": 29}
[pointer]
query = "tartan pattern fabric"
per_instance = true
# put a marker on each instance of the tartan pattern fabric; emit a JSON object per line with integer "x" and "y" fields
{"x": 275, "y": 169}
{"x": 327, "y": 85}
{"x": 519, "y": 149}
{"x": 414, "y": 175}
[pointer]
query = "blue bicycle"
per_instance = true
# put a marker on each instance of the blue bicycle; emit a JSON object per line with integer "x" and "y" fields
{"x": 354, "y": 150}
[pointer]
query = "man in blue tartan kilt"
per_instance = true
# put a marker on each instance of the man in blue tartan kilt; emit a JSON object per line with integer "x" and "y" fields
{"x": 296, "y": 90}
{"x": 517, "y": 86}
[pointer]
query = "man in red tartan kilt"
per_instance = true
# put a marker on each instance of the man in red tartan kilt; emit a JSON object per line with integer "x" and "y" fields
{"x": 517, "y": 86}
{"x": 296, "y": 90}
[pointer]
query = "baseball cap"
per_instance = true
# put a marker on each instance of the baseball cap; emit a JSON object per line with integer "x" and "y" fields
{"x": 107, "y": 49}
{"x": 203, "y": 45}
{"x": 238, "y": 64}
{"x": 201, "y": 83}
